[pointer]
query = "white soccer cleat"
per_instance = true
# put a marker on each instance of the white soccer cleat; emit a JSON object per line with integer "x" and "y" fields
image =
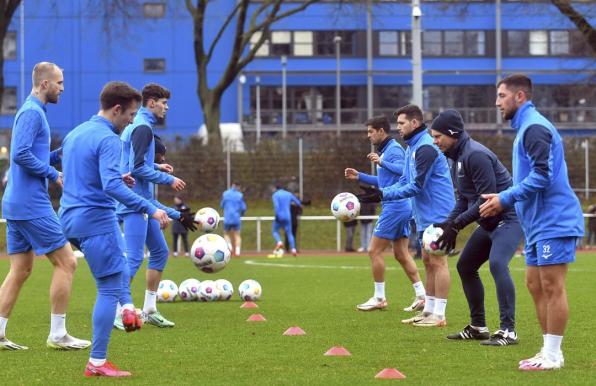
{"x": 541, "y": 364}
{"x": 414, "y": 319}
{"x": 417, "y": 305}
{"x": 430, "y": 321}
{"x": 540, "y": 356}
{"x": 6, "y": 344}
{"x": 68, "y": 342}
{"x": 373, "y": 303}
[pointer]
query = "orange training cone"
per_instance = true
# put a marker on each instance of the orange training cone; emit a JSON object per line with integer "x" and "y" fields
{"x": 294, "y": 331}
{"x": 390, "y": 374}
{"x": 256, "y": 318}
{"x": 249, "y": 305}
{"x": 337, "y": 351}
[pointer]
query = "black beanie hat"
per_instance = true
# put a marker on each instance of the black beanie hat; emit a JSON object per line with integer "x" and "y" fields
{"x": 448, "y": 122}
{"x": 160, "y": 147}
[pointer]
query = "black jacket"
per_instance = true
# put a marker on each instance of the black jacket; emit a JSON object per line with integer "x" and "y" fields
{"x": 177, "y": 226}
{"x": 476, "y": 170}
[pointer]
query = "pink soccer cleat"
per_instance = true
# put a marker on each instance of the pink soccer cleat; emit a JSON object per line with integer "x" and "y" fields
{"x": 106, "y": 370}
{"x": 131, "y": 320}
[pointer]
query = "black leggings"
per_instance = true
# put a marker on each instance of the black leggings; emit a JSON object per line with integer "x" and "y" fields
{"x": 175, "y": 241}
{"x": 498, "y": 247}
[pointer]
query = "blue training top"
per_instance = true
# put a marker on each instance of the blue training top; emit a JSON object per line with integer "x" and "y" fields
{"x": 26, "y": 195}
{"x": 93, "y": 182}
{"x": 546, "y": 205}
{"x": 282, "y": 200}
{"x": 389, "y": 171}
{"x": 138, "y": 158}
{"x": 232, "y": 202}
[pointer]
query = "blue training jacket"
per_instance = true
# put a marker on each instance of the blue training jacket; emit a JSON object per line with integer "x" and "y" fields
{"x": 232, "y": 202}
{"x": 389, "y": 171}
{"x": 426, "y": 180}
{"x": 544, "y": 201}
{"x": 93, "y": 182}
{"x": 26, "y": 195}
{"x": 138, "y": 158}
{"x": 282, "y": 200}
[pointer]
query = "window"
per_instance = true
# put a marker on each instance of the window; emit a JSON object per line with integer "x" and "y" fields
{"x": 325, "y": 43}
{"x": 264, "y": 49}
{"x": 303, "y": 43}
{"x": 431, "y": 43}
{"x": 578, "y": 44}
{"x": 388, "y": 43}
{"x": 281, "y": 43}
{"x": 559, "y": 42}
{"x": 405, "y": 43}
{"x": 475, "y": 43}
{"x": 454, "y": 43}
{"x": 538, "y": 43}
{"x": 9, "y": 101}
{"x": 154, "y": 10}
{"x": 10, "y": 45}
{"x": 154, "y": 65}
{"x": 517, "y": 43}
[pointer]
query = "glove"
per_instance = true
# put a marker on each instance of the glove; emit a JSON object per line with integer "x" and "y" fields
{"x": 447, "y": 239}
{"x": 370, "y": 195}
{"x": 187, "y": 220}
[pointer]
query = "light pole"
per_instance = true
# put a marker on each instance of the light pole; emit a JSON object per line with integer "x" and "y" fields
{"x": 240, "y": 97}
{"x": 416, "y": 53}
{"x": 258, "y": 118}
{"x": 284, "y": 99}
{"x": 337, "y": 41}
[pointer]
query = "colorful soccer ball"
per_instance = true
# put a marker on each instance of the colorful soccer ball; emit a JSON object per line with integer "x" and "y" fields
{"x": 250, "y": 290}
{"x": 167, "y": 291}
{"x": 210, "y": 253}
{"x": 345, "y": 207}
{"x": 429, "y": 240}
{"x": 208, "y": 219}
{"x": 225, "y": 289}
{"x": 189, "y": 290}
{"x": 208, "y": 291}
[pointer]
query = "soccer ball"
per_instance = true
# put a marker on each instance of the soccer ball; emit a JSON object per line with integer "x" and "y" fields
{"x": 250, "y": 290}
{"x": 167, "y": 291}
{"x": 189, "y": 290}
{"x": 210, "y": 253}
{"x": 208, "y": 291}
{"x": 429, "y": 240}
{"x": 208, "y": 219}
{"x": 225, "y": 289}
{"x": 345, "y": 207}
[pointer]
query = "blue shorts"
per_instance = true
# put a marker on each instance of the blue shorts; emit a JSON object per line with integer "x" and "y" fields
{"x": 551, "y": 252}
{"x": 231, "y": 227}
{"x": 43, "y": 235}
{"x": 392, "y": 225}
{"x": 104, "y": 253}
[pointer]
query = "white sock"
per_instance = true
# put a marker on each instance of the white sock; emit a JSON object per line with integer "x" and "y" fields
{"x": 440, "y": 306}
{"x": 57, "y": 326}
{"x": 150, "y": 305}
{"x": 118, "y": 309}
{"x": 380, "y": 290}
{"x": 429, "y": 305}
{"x": 3, "y": 322}
{"x": 480, "y": 329}
{"x": 238, "y": 251}
{"x": 419, "y": 289}
{"x": 127, "y": 306}
{"x": 97, "y": 362}
{"x": 552, "y": 346}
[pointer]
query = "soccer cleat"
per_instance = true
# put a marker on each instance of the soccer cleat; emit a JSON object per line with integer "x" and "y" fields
{"x": 118, "y": 323}
{"x": 106, "y": 370}
{"x": 430, "y": 321}
{"x": 417, "y": 305}
{"x": 294, "y": 252}
{"x": 414, "y": 319}
{"x": 470, "y": 332}
{"x": 131, "y": 321}
{"x": 541, "y": 364}
{"x": 501, "y": 338}
{"x": 67, "y": 343}
{"x": 540, "y": 355}
{"x": 6, "y": 344}
{"x": 156, "y": 319}
{"x": 372, "y": 304}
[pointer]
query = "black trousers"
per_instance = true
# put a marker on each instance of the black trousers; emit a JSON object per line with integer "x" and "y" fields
{"x": 184, "y": 241}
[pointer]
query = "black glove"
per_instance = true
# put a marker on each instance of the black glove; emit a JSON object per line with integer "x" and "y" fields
{"x": 447, "y": 239}
{"x": 370, "y": 195}
{"x": 187, "y": 220}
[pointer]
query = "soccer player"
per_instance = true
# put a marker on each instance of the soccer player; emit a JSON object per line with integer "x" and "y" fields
{"x": 232, "y": 202}
{"x": 427, "y": 181}
{"x": 477, "y": 170}
{"x": 138, "y": 155}
{"x": 32, "y": 227}
{"x": 282, "y": 200}
{"x": 548, "y": 209}
{"x": 92, "y": 185}
{"x": 393, "y": 227}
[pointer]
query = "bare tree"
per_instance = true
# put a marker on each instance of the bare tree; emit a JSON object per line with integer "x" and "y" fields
{"x": 244, "y": 49}
{"x": 566, "y": 8}
{"x": 7, "y": 9}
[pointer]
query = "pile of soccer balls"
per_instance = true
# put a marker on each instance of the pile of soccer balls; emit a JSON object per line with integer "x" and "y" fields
{"x": 207, "y": 290}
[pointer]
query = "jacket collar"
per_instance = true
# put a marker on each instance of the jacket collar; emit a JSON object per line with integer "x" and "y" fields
{"x": 383, "y": 145}
{"x": 458, "y": 148}
{"x": 520, "y": 114}
{"x": 105, "y": 122}
{"x": 415, "y": 135}
{"x": 147, "y": 115}
{"x": 35, "y": 100}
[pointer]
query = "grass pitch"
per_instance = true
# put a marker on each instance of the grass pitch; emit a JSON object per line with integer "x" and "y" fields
{"x": 213, "y": 343}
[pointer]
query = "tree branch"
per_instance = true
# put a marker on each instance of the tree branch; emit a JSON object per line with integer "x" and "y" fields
{"x": 566, "y": 8}
{"x": 221, "y": 30}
